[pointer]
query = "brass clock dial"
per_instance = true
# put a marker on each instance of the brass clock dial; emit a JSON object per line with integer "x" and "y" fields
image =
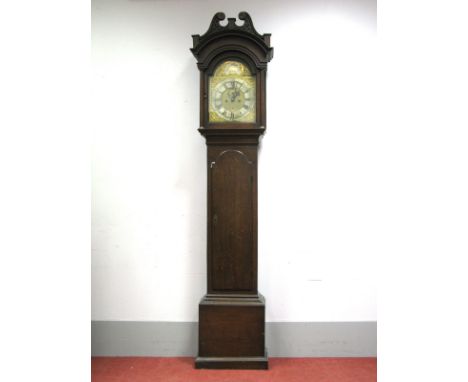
{"x": 232, "y": 94}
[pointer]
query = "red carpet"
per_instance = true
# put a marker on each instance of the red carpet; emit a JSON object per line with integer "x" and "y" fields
{"x": 145, "y": 369}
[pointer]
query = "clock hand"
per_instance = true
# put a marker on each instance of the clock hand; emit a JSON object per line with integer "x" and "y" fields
{"x": 234, "y": 95}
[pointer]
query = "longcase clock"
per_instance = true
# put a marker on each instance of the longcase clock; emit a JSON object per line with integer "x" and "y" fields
{"x": 232, "y": 60}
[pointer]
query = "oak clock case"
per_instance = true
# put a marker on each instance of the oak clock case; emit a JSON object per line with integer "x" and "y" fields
{"x": 232, "y": 60}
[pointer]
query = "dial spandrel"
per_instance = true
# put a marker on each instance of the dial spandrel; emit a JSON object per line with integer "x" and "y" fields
{"x": 232, "y": 94}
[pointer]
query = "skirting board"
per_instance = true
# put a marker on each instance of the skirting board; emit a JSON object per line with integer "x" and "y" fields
{"x": 283, "y": 339}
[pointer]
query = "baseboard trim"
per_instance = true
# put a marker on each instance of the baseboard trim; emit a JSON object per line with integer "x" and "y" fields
{"x": 283, "y": 339}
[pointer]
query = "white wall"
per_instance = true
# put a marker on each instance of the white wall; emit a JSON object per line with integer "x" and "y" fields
{"x": 317, "y": 178}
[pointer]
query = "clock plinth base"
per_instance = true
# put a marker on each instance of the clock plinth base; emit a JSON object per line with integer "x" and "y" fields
{"x": 244, "y": 363}
{"x": 232, "y": 332}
